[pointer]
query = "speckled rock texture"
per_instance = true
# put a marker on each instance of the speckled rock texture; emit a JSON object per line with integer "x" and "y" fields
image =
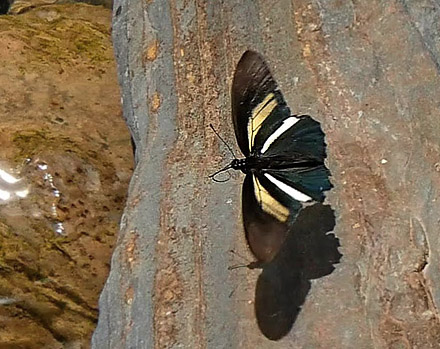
{"x": 369, "y": 72}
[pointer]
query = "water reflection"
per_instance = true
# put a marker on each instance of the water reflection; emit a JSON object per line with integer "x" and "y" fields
{"x": 57, "y": 225}
{"x": 17, "y": 184}
{"x": 308, "y": 253}
{"x": 11, "y": 187}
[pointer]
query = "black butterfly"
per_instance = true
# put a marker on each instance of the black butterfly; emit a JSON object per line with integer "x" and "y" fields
{"x": 284, "y": 162}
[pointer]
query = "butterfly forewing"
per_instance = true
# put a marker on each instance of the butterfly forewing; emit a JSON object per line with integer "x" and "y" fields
{"x": 256, "y": 101}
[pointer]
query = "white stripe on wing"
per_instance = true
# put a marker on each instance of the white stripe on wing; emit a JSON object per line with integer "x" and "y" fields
{"x": 288, "y": 123}
{"x": 296, "y": 194}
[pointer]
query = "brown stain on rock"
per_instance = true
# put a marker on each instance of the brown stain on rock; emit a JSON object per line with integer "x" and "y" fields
{"x": 315, "y": 53}
{"x": 155, "y": 102}
{"x": 131, "y": 252}
{"x": 152, "y": 51}
{"x": 168, "y": 285}
{"x": 129, "y": 294}
{"x": 197, "y": 85}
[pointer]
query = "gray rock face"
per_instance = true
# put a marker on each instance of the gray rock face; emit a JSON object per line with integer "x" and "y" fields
{"x": 369, "y": 72}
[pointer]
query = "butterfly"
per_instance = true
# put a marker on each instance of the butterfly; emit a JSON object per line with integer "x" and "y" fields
{"x": 284, "y": 157}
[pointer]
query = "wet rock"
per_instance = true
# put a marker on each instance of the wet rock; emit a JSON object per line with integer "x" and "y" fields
{"x": 17, "y": 7}
{"x": 65, "y": 163}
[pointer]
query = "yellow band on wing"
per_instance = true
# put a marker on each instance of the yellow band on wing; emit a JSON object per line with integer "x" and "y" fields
{"x": 268, "y": 202}
{"x": 259, "y": 114}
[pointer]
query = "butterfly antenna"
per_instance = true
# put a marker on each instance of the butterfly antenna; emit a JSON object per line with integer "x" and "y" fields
{"x": 224, "y": 142}
{"x": 226, "y": 168}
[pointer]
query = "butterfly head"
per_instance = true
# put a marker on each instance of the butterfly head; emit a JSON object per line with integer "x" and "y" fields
{"x": 236, "y": 164}
{"x": 239, "y": 164}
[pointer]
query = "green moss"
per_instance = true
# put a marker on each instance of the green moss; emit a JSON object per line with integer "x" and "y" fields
{"x": 33, "y": 142}
{"x": 61, "y": 39}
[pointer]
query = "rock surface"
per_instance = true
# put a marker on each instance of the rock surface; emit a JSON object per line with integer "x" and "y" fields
{"x": 63, "y": 137}
{"x": 369, "y": 72}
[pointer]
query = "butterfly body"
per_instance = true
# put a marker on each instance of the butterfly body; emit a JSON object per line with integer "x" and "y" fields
{"x": 284, "y": 157}
{"x": 255, "y": 163}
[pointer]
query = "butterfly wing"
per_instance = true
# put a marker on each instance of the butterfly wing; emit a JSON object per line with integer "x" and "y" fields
{"x": 298, "y": 137}
{"x": 256, "y": 99}
{"x": 264, "y": 219}
{"x": 272, "y": 200}
{"x": 310, "y": 182}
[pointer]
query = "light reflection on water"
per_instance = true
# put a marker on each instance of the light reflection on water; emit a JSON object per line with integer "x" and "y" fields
{"x": 16, "y": 185}
{"x": 11, "y": 187}
{"x": 48, "y": 178}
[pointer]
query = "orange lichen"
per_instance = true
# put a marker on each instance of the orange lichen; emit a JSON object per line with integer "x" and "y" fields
{"x": 155, "y": 103}
{"x": 152, "y": 51}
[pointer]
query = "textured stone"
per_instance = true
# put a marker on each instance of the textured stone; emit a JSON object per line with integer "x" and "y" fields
{"x": 369, "y": 72}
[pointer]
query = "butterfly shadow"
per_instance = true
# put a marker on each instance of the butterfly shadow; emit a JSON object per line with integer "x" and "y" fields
{"x": 308, "y": 253}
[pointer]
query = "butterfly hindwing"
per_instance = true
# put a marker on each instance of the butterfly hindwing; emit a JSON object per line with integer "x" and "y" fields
{"x": 264, "y": 219}
{"x": 271, "y": 201}
{"x": 256, "y": 101}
